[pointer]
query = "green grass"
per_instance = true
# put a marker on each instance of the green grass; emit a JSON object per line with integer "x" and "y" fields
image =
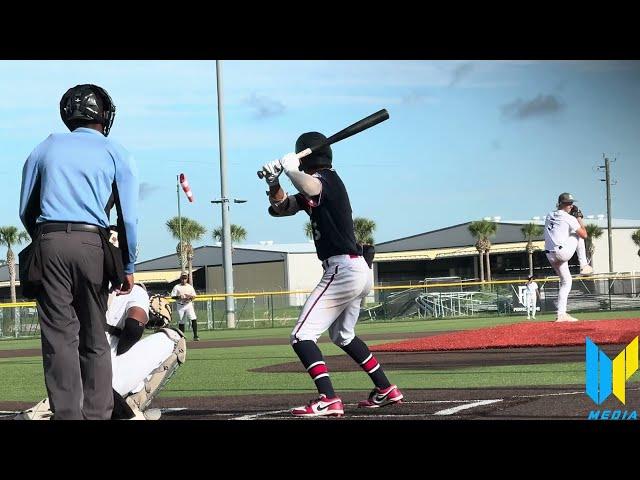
{"x": 225, "y": 371}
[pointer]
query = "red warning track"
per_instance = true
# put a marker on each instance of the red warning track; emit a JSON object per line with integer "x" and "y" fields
{"x": 534, "y": 334}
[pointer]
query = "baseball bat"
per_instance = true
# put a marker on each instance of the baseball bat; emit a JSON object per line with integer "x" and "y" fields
{"x": 351, "y": 130}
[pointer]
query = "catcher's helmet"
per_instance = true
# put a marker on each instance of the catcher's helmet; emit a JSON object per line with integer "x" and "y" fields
{"x": 318, "y": 159}
{"x": 87, "y": 103}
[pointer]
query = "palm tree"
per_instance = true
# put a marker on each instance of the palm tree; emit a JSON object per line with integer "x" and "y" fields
{"x": 238, "y": 234}
{"x": 635, "y": 236}
{"x": 308, "y": 230}
{"x": 531, "y": 231}
{"x": 474, "y": 229}
{"x": 491, "y": 229}
{"x": 593, "y": 232}
{"x": 191, "y": 231}
{"x": 363, "y": 229}
{"x": 12, "y": 236}
{"x": 482, "y": 230}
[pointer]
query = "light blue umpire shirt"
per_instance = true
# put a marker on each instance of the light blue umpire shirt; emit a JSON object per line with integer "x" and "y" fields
{"x": 78, "y": 177}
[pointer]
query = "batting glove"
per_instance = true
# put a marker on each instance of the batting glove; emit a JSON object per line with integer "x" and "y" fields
{"x": 290, "y": 162}
{"x": 272, "y": 171}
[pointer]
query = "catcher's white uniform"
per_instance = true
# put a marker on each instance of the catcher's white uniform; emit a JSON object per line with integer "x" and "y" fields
{"x": 132, "y": 367}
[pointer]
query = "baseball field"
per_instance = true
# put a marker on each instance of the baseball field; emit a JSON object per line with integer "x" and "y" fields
{"x": 254, "y": 374}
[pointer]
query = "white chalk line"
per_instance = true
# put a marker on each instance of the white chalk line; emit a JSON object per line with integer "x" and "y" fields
{"x": 467, "y": 406}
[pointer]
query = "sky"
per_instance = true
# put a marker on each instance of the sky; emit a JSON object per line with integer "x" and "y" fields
{"x": 465, "y": 139}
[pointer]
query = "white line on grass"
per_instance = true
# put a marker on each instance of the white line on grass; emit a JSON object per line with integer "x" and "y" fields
{"x": 466, "y": 406}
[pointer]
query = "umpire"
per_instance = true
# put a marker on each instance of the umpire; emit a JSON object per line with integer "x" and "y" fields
{"x": 70, "y": 182}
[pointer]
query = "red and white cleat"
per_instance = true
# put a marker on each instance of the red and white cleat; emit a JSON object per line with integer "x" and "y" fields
{"x": 380, "y": 398}
{"x": 320, "y": 407}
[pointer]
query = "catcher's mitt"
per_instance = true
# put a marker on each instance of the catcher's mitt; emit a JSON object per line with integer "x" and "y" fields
{"x": 575, "y": 211}
{"x": 159, "y": 312}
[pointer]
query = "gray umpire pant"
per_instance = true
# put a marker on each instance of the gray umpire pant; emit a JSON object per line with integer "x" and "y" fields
{"x": 72, "y": 306}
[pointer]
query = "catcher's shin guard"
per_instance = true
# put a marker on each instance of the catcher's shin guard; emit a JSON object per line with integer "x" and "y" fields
{"x": 161, "y": 375}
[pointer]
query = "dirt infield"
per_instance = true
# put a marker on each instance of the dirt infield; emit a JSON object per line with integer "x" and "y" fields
{"x": 533, "y": 403}
{"x": 456, "y": 359}
{"x": 567, "y": 402}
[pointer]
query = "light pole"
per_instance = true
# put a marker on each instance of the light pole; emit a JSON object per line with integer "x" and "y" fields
{"x": 227, "y": 264}
{"x": 227, "y": 260}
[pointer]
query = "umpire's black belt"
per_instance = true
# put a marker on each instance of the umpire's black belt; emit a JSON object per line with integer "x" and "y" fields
{"x": 553, "y": 251}
{"x": 68, "y": 227}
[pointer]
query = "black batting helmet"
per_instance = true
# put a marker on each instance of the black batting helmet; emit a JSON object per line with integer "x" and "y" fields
{"x": 318, "y": 159}
{"x": 87, "y": 103}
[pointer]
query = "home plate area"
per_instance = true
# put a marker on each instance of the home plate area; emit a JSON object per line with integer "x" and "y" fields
{"x": 532, "y": 403}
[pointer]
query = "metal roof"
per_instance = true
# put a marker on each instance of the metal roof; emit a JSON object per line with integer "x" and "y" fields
{"x": 459, "y": 236}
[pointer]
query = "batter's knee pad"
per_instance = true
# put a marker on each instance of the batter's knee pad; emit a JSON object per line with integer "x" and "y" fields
{"x": 161, "y": 375}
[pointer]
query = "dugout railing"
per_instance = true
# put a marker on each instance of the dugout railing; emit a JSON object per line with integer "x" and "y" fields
{"x": 417, "y": 301}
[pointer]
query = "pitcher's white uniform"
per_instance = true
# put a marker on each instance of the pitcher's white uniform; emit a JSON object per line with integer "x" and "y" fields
{"x": 132, "y": 367}
{"x": 560, "y": 243}
{"x": 531, "y": 298}
{"x": 185, "y": 307}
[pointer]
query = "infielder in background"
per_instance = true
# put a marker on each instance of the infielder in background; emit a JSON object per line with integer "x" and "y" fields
{"x": 183, "y": 293}
{"x": 335, "y": 303}
{"x": 531, "y": 295}
{"x": 564, "y": 235}
{"x": 140, "y": 366}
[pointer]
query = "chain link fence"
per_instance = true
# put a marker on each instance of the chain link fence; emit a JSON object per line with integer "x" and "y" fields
{"x": 422, "y": 300}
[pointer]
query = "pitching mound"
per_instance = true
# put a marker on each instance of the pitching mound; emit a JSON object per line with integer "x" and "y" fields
{"x": 538, "y": 334}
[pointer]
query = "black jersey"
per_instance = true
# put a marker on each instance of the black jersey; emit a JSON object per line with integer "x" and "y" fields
{"x": 331, "y": 219}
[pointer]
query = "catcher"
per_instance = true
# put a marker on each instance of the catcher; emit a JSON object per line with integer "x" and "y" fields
{"x": 140, "y": 367}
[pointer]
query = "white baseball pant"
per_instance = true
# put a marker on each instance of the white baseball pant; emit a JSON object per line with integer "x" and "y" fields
{"x": 530, "y": 301}
{"x": 186, "y": 309}
{"x": 132, "y": 367}
{"x": 559, "y": 260}
{"x": 335, "y": 302}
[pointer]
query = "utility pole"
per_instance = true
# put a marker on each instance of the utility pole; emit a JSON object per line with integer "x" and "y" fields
{"x": 607, "y": 179}
{"x": 227, "y": 261}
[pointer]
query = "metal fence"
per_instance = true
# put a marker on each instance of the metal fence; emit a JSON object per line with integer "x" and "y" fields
{"x": 423, "y": 300}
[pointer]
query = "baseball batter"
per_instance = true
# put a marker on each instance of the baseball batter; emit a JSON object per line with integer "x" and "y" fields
{"x": 531, "y": 296}
{"x": 334, "y": 304}
{"x": 183, "y": 293}
{"x": 564, "y": 235}
{"x": 140, "y": 367}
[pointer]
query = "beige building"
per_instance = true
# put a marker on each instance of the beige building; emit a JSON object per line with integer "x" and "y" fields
{"x": 266, "y": 267}
{"x": 625, "y": 252}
